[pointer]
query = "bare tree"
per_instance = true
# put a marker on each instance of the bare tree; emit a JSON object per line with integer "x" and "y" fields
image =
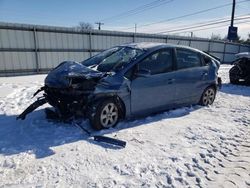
{"x": 247, "y": 41}
{"x": 84, "y": 26}
{"x": 241, "y": 40}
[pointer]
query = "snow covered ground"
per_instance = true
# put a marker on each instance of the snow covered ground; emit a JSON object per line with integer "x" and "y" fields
{"x": 187, "y": 147}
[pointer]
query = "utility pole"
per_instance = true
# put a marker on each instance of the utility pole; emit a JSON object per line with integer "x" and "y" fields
{"x": 135, "y": 27}
{"x": 232, "y": 31}
{"x": 99, "y": 25}
{"x": 232, "y": 16}
{"x": 192, "y": 33}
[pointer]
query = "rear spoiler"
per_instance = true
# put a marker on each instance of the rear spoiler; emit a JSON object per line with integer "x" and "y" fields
{"x": 215, "y": 57}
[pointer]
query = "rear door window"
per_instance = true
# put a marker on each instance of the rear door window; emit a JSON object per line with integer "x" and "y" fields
{"x": 187, "y": 59}
{"x": 206, "y": 60}
{"x": 158, "y": 62}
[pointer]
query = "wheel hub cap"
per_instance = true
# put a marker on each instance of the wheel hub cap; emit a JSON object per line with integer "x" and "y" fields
{"x": 109, "y": 115}
{"x": 208, "y": 97}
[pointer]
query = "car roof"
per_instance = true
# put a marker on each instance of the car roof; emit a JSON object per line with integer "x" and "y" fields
{"x": 243, "y": 55}
{"x": 151, "y": 46}
{"x": 155, "y": 45}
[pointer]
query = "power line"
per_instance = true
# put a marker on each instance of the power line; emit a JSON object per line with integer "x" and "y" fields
{"x": 136, "y": 10}
{"x": 187, "y": 15}
{"x": 207, "y": 21}
{"x": 242, "y": 7}
{"x": 202, "y": 25}
{"x": 238, "y": 23}
{"x": 199, "y": 24}
{"x": 139, "y": 9}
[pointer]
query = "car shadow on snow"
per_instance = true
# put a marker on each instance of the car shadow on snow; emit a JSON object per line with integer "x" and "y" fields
{"x": 235, "y": 89}
{"x": 36, "y": 135}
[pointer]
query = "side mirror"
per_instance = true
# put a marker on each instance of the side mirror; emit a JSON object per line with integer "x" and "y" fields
{"x": 143, "y": 73}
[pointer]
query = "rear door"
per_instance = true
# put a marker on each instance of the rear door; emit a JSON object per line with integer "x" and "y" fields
{"x": 191, "y": 76}
{"x": 155, "y": 91}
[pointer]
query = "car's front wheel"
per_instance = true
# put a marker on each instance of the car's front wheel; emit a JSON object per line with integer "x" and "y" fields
{"x": 208, "y": 96}
{"x": 106, "y": 115}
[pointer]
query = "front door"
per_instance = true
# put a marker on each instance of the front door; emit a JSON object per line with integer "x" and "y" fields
{"x": 155, "y": 90}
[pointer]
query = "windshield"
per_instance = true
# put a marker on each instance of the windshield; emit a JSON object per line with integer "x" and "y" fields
{"x": 113, "y": 59}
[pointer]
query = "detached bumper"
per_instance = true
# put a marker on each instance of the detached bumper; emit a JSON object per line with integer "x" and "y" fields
{"x": 32, "y": 107}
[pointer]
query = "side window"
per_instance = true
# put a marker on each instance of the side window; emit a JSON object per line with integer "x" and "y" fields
{"x": 158, "y": 62}
{"x": 187, "y": 59}
{"x": 206, "y": 60}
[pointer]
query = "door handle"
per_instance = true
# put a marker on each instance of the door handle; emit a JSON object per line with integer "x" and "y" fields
{"x": 170, "y": 80}
{"x": 204, "y": 74}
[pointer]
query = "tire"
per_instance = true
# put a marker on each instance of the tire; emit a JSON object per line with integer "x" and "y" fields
{"x": 234, "y": 74}
{"x": 247, "y": 80}
{"x": 106, "y": 114}
{"x": 208, "y": 96}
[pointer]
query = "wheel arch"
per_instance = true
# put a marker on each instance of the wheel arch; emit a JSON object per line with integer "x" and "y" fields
{"x": 212, "y": 85}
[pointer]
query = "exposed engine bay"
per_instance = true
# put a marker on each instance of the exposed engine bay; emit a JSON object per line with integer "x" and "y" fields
{"x": 67, "y": 88}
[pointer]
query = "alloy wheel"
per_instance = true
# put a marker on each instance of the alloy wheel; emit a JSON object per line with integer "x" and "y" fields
{"x": 109, "y": 115}
{"x": 208, "y": 97}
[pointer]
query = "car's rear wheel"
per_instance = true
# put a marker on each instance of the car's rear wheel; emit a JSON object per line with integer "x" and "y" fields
{"x": 208, "y": 96}
{"x": 106, "y": 115}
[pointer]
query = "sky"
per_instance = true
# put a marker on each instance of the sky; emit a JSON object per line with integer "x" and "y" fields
{"x": 115, "y": 16}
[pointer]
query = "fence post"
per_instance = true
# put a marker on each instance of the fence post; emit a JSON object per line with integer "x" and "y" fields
{"x": 36, "y": 50}
{"x": 224, "y": 51}
{"x": 90, "y": 44}
{"x": 133, "y": 37}
{"x": 209, "y": 46}
{"x": 189, "y": 44}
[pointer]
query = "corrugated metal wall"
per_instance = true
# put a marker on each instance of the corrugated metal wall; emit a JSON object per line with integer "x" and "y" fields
{"x": 32, "y": 48}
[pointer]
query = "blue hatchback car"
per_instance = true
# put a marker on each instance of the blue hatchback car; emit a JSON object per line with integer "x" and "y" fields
{"x": 130, "y": 80}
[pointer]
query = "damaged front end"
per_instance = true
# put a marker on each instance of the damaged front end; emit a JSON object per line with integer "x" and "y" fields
{"x": 67, "y": 88}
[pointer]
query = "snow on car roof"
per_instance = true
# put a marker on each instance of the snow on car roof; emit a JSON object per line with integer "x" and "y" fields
{"x": 243, "y": 54}
{"x": 150, "y": 45}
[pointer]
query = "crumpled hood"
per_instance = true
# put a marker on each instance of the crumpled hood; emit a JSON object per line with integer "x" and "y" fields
{"x": 60, "y": 76}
